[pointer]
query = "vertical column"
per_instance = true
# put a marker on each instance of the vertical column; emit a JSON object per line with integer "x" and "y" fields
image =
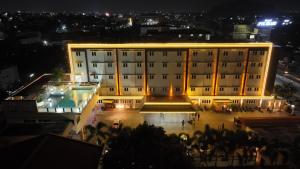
{"x": 146, "y": 73}
{"x": 245, "y": 74}
{"x": 117, "y": 72}
{"x": 87, "y": 66}
{"x": 216, "y": 71}
{"x": 186, "y": 71}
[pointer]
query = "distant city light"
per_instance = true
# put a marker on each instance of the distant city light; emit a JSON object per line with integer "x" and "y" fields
{"x": 267, "y": 23}
{"x": 130, "y": 23}
{"x": 107, "y": 14}
{"x": 31, "y": 75}
{"x": 45, "y": 43}
{"x": 286, "y": 22}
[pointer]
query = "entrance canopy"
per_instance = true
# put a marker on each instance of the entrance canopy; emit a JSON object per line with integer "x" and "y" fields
{"x": 222, "y": 101}
{"x": 168, "y": 109}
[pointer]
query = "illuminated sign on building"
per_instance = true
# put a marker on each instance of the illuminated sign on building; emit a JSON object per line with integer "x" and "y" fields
{"x": 267, "y": 23}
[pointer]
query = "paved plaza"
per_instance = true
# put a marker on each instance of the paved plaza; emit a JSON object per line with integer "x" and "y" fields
{"x": 172, "y": 122}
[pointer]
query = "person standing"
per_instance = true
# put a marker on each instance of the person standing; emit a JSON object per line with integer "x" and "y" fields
{"x": 198, "y": 116}
{"x": 182, "y": 124}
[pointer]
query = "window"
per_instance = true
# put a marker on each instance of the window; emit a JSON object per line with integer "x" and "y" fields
{"x": 94, "y": 64}
{"x": 111, "y": 77}
{"x": 139, "y": 64}
{"x": 79, "y": 64}
{"x": 93, "y": 53}
{"x": 241, "y": 53}
{"x": 235, "y": 89}
{"x": 108, "y": 53}
{"x": 165, "y": 64}
{"x": 221, "y": 88}
{"x": 195, "y": 53}
{"x": 77, "y": 53}
{"x": 192, "y": 89}
{"x": 258, "y": 76}
{"x": 109, "y": 65}
{"x": 237, "y": 76}
{"x": 95, "y": 76}
{"x": 178, "y": 64}
{"x": 260, "y": 64}
{"x": 207, "y": 89}
{"x": 139, "y": 53}
{"x": 139, "y": 76}
{"x": 125, "y": 77}
{"x": 165, "y": 53}
{"x": 239, "y": 64}
{"x": 126, "y": 89}
{"x": 250, "y": 76}
{"x": 151, "y": 64}
{"x": 225, "y": 53}
{"x": 138, "y": 101}
{"x": 252, "y": 64}
{"x": 256, "y": 89}
{"x": 125, "y": 65}
{"x": 179, "y": 53}
{"x": 224, "y": 64}
{"x": 210, "y": 53}
{"x": 111, "y": 89}
{"x": 194, "y": 64}
{"x": 151, "y": 53}
{"x": 151, "y": 76}
{"x": 178, "y": 76}
{"x": 194, "y": 76}
{"x": 205, "y": 101}
{"x": 235, "y": 101}
{"x": 262, "y": 52}
{"x": 177, "y": 89}
{"x": 207, "y": 76}
{"x": 222, "y": 76}
{"x": 140, "y": 89}
{"x": 124, "y": 53}
{"x": 249, "y": 89}
{"x": 208, "y": 64}
{"x": 164, "y": 89}
{"x": 164, "y": 76}
{"x": 254, "y": 52}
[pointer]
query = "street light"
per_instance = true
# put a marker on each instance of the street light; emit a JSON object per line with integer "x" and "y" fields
{"x": 31, "y": 76}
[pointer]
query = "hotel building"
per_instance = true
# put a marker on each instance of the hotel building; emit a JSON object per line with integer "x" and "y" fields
{"x": 205, "y": 74}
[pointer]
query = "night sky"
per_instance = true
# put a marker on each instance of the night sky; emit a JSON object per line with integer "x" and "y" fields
{"x": 126, "y": 5}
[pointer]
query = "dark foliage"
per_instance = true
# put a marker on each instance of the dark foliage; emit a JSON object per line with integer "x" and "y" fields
{"x": 144, "y": 147}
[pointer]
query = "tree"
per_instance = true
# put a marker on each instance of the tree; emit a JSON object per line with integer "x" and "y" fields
{"x": 57, "y": 74}
{"x": 146, "y": 146}
{"x": 96, "y": 134}
{"x": 286, "y": 91}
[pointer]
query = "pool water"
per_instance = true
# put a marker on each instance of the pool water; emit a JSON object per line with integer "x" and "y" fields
{"x": 72, "y": 98}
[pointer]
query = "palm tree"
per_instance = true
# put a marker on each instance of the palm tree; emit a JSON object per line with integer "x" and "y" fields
{"x": 97, "y": 133}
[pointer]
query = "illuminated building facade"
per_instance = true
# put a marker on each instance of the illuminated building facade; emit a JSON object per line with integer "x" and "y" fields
{"x": 207, "y": 73}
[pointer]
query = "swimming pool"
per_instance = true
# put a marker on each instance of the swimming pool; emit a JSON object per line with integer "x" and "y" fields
{"x": 72, "y": 100}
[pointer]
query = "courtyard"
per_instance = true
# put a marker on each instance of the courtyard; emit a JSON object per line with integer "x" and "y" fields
{"x": 172, "y": 122}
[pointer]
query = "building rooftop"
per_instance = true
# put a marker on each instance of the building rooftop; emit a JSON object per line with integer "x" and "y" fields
{"x": 49, "y": 152}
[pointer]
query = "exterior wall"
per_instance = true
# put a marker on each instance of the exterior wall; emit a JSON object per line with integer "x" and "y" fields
{"x": 231, "y": 71}
{"x": 159, "y": 71}
{"x": 255, "y": 75}
{"x": 102, "y": 69}
{"x": 131, "y": 71}
{"x": 166, "y": 72}
{"x": 201, "y": 71}
{"x": 80, "y": 66}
